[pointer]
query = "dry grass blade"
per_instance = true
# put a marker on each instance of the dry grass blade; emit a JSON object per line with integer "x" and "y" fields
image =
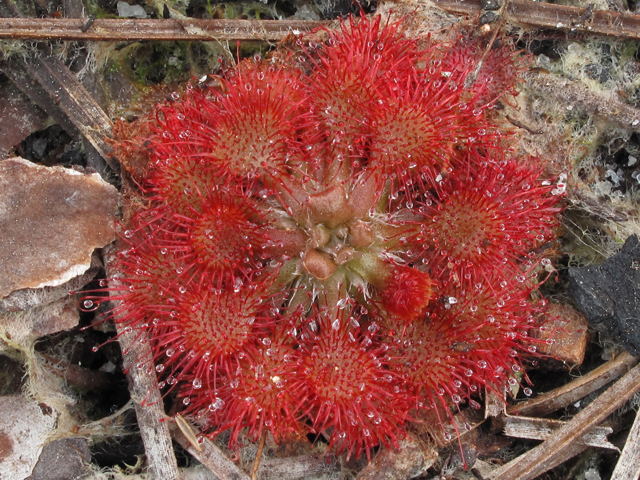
{"x": 543, "y": 457}
{"x": 581, "y": 387}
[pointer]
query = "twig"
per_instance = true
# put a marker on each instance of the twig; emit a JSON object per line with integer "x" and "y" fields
{"x": 299, "y": 468}
{"x": 256, "y": 462}
{"x": 581, "y": 387}
{"x": 78, "y": 376}
{"x": 530, "y": 13}
{"x": 519, "y": 124}
{"x": 211, "y": 457}
{"x": 141, "y": 29}
{"x": 544, "y": 428}
{"x": 548, "y": 15}
{"x": 581, "y": 96}
{"x": 543, "y": 457}
{"x": 143, "y": 386}
{"x": 52, "y": 86}
{"x": 628, "y": 466}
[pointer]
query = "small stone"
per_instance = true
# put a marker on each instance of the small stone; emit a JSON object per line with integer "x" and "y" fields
{"x": 65, "y": 459}
{"x": 491, "y": 5}
{"x": 488, "y": 17}
{"x": 131, "y": 11}
{"x": 410, "y": 460}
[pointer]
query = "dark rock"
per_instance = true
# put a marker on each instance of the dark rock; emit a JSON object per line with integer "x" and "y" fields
{"x": 45, "y": 146}
{"x": 597, "y": 72}
{"x": 18, "y": 117}
{"x": 608, "y": 295}
{"x": 488, "y": 17}
{"x": 65, "y": 459}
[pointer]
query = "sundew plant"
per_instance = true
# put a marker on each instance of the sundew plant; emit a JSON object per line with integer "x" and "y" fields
{"x": 338, "y": 238}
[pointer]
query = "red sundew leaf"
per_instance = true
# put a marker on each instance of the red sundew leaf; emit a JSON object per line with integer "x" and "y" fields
{"x": 351, "y": 70}
{"x": 142, "y": 274}
{"x": 498, "y": 75}
{"x": 489, "y": 216}
{"x": 355, "y": 393}
{"x": 467, "y": 342}
{"x": 248, "y": 130}
{"x": 423, "y": 124}
{"x": 264, "y": 392}
{"x": 199, "y": 335}
{"x": 220, "y": 240}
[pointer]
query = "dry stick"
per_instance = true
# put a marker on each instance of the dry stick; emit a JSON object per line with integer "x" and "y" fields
{"x": 579, "y": 388}
{"x": 52, "y": 86}
{"x": 290, "y": 468}
{"x": 142, "y": 29}
{"x": 577, "y": 94}
{"x": 78, "y": 376}
{"x": 211, "y": 457}
{"x": 154, "y": 431}
{"x": 544, "y": 428}
{"x": 496, "y": 29}
{"x": 74, "y": 100}
{"x": 143, "y": 387}
{"x": 256, "y": 462}
{"x": 530, "y": 13}
{"x": 20, "y": 75}
{"x": 547, "y": 15}
{"x": 299, "y": 467}
{"x": 628, "y": 466}
{"x": 537, "y": 460}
